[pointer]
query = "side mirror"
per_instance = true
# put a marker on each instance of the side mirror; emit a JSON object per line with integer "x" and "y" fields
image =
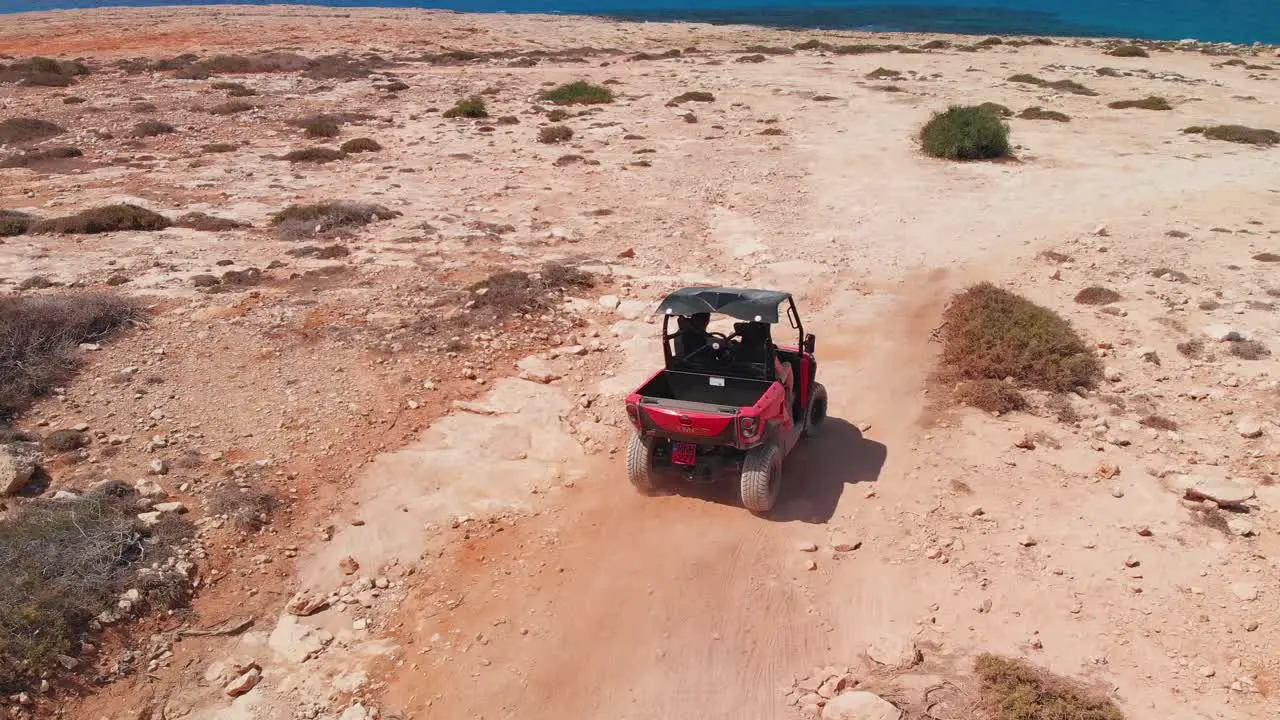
{"x": 809, "y": 342}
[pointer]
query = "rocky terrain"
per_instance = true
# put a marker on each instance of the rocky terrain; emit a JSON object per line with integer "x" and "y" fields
{"x": 391, "y": 426}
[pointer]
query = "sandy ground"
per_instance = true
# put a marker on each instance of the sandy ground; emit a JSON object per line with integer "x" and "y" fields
{"x": 506, "y": 569}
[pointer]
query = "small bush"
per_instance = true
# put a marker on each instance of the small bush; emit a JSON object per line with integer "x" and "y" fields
{"x": 208, "y": 223}
{"x": 108, "y": 218}
{"x": 40, "y": 79}
{"x": 1193, "y": 348}
{"x": 219, "y": 147}
{"x": 1177, "y": 275}
{"x": 554, "y": 134}
{"x": 13, "y": 223}
{"x": 1097, "y": 296}
{"x": 39, "y": 337}
{"x": 1237, "y": 134}
{"x": 33, "y": 157}
{"x": 693, "y": 96}
{"x": 472, "y": 107}
{"x": 223, "y": 85}
{"x": 1248, "y": 349}
{"x": 241, "y": 92}
{"x": 814, "y": 44}
{"x": 14, "y": 131}
{"x": 768, "y": 50}
{"x": 557, "y": 115}
{"x": 994, "y": 396}
{"x": 61, "y": 441}
{"x": 935, "y": 45}
{"x": 1128, "y": 51}
{"x": 328, "y": 217}
{"x": 327, "y": 124}
{"x": 246, "y": 509}
{"x": 991, "y": 334}
{"x": 1036, "y": 113}
{"x": 359, "y": 145}
{"x": 151, "y": 128}
{"x": 231, "y": 107}
{"x": 1017, "y": 690}
{"x": 1054, "y": 256}
{"x": 1158, "y": 422}
{"x": 881, "y": 73}
{"x": 1070, "y": 86}
{"x": 73, "y": 100}
{"x": 965, "y": 133}
{"x": 513, "y": 291}
{"x": 578, "y": 93}
{"x": 316, "y": 155}
{"x": 1152, "y": 102}
{"x": 995, "y": 109}
{"x": 1267, "y": 257}
{"x": 751, "y": 59}
{"x": 858, "y": 49}
{"x": 393, "y": 87}
{"x": 65, "y": 562}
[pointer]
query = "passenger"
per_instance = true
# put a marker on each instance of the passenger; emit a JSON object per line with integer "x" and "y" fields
{"x": 692, "y": 335}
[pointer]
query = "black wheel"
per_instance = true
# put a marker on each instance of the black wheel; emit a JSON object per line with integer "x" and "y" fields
{"x": 761, "y": 478}
{"x": 640, "y": 465}
{"x": 817, "y": 411}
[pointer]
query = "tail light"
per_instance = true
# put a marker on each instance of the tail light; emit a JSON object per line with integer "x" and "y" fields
{"x": 633, "y": 412}
{"x": 749, "y": 425}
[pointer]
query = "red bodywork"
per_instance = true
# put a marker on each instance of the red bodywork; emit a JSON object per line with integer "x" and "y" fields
{"x": 743, "y": 428}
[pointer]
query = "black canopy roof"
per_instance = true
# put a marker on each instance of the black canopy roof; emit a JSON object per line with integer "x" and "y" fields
{"x": 740, "y": 303}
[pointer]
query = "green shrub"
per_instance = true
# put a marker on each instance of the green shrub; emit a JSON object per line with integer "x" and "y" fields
{"x": 935, "y": 45}
{"x": 881, "y": 73}
{"x": 965, "y": 133}
{"x": 1237, "y": 134}
{"x": 359, "y": 145}
{"x": 67, "y": 561}
{"x": 1128, "y": 51}
{"x": 996, "y": 109}
{"x": 472, "y": 107}
{"x": 1037, "y": 113}
{"x": 767, "y": 50}
{"x": 1016, "y": 690}
{"x": 578, "y": 93}
{"x": 1070, "y": 86}
{"x": 1153, "y": 102}
{"x": 989, "y": 333}
{"x": 14, "y": 131}
{"x": 812, "y": 45}
{"x": 108, "y": 218}
{"x": 554, "y": 134}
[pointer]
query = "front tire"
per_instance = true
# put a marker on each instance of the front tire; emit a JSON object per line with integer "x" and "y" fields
{"x": 761, "y": 478}
{"x": 817, "y": 411}
{"x": 640, "y": 465}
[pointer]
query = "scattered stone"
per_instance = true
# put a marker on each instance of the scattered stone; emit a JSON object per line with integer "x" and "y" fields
{"x": 1249, "y": 428}
{"x": 159, "y": 467}
{"x": 608, "y": 302}
{"x": 355, "y": 712}
{"x": 1220, "y": 490}
{"x": 858, "y": 705}
{"x": 1117, "y": 492}
{"x": 18, "y": 463}
{"x": 894, "y": 651}
{"x": 305, "y": 603}
{"x": 1108, "y": 470}
{"x": 810, "y": 565}
{"x": 1251, "y": 626}
{"x": 1026, "y": 541}
{"x": 149, "y": 519}
{"x": 243, "y": 684}
{"x": 1132, "y": 562}
{"x": 807, "y": 547}
{"x": 1143, "y": 530}
{"x": 842, "y": 543}
{"x": 348, "y": 565}
{"x": 1101, "y": 231}
{"x": 1240, "y": 526}
{"x": 170, "y": 507}
{"x": 1246, "y": 592}
{"x": 976, "y": 511}
{"x": 296, "y": 642}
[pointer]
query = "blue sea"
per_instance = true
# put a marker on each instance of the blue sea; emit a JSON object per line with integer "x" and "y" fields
{"x": 1241, "y": 21}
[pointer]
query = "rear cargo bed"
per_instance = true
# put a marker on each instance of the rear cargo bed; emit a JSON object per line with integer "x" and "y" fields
{"x": 680, "y": 389}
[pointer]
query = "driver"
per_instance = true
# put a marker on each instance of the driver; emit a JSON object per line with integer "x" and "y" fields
{"x": 692, "y": 335}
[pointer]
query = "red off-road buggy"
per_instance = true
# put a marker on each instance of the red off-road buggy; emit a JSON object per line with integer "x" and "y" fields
{"x": 727, "y": 403}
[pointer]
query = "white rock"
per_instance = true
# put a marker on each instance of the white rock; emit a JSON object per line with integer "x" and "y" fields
{"x": 170, "y": 507}
{"x": 159, "y": 467}
{"x": 1246, "y": 592}
{"x": 305, "y": 603}
{"x": 18, "y": 462}
{"x": 149, "y": 519}
{"x": 894, "y": 651}
{"x": 807, "y": 547}
{"x": 608, "y": 302}
{"x": 1101, "y": 231}
{"x": 858, "y": 705}
{"x": 1249, "y": 428}
{"x": 149, "y": 489}
{"x": 1240, "y": 526}
{"x": 355, "y": 712}
{"x": 633, "y": 309}
{"x": 296, "y": 642}
{"x": 244, "y": 683}
{"x": 1219, "y": 490}
{"x": 1112, "y": 374}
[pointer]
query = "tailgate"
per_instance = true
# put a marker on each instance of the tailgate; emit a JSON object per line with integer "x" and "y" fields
{"x": 690, "y": 421}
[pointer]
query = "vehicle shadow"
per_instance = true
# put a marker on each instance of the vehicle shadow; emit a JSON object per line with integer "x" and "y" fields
{"x": 814, "y": 475}
{"x": 818, "y": 469}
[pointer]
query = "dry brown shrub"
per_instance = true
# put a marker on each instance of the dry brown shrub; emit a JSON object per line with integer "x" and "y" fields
{"x": 1096, "y": 295}
{"x": 1016, "y": 690}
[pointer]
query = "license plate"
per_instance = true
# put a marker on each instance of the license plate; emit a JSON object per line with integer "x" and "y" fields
{"x": 684, "y": 453}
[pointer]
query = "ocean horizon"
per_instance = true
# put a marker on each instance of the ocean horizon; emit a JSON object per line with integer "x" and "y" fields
{"x": 1237, "y": 21}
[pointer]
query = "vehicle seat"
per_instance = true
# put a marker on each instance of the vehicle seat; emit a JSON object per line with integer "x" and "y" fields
{"x": 754, "y": 343}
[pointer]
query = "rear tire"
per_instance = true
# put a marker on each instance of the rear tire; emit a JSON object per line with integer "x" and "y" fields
{"x": 817, "y": 411}
{"x": 761, "y": 478}
{"x": 640, "y": 465}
